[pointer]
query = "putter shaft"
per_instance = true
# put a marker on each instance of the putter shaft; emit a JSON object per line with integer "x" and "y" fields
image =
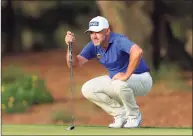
{"x": 71, "y": 89}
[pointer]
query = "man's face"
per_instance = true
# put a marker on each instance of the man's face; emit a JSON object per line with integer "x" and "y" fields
{"x": 98, "y": 38}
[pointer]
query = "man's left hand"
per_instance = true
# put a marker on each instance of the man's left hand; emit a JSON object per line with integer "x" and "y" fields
{"x": 120, "y": 76}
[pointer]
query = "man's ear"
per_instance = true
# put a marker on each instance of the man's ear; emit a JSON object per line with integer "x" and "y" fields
{"x": 108, "y": 31}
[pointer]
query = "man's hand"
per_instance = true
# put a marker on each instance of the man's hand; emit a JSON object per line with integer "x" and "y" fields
{"x": 69, "y": 38}
{"x": 120, "y": 76}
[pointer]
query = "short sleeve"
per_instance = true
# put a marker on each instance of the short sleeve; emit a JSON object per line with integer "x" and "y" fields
{"x": 125, "y": 44}
{"x": 88, "y": 51}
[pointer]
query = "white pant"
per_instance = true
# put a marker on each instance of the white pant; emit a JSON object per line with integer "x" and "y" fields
{"x": 117, "y": 97}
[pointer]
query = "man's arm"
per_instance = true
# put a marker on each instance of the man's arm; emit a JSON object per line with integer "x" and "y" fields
{"x": 135, "y": 53}
{"x": 135, "y": 56}
{"x": 77, "y": 60}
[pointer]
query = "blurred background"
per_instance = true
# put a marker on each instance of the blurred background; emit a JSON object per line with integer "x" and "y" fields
{"x": 35, "y": 77}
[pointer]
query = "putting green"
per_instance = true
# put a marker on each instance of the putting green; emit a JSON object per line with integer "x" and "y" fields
{"x": 89, "y": 130}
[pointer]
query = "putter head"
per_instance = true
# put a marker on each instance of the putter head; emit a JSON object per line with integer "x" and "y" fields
{"x": 70, "y": 128}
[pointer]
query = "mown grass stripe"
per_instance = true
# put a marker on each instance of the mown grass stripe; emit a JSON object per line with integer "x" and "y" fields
{"x": 86, "y": 130}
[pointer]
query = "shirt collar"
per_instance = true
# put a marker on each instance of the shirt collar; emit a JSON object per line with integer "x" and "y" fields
{"x": 111, "y": 37}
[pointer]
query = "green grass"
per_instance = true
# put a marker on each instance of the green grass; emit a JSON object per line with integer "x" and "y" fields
{"x": 89, "y": 130}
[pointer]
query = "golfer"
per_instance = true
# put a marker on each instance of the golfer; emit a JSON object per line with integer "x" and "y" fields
{"x": 128, "y": 73}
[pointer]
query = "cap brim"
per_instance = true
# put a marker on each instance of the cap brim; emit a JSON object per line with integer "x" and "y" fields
{"x": 87, "y": 31}
{"x": 93, "y": 30}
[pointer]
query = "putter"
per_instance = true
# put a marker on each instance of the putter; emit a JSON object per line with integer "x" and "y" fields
{"x": 70, "y": 55}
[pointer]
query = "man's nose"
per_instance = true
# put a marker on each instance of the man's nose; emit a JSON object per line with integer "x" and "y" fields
{"x": 94, "y": 35}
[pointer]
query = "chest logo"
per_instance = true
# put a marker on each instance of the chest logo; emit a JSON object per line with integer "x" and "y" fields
{"x": 98, "y": 55}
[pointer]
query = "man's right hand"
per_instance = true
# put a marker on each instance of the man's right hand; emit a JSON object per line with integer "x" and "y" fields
{"x": 77, "y": 60}
{"x": 69, "y": 38}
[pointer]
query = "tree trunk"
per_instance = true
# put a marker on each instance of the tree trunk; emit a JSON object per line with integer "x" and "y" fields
{"x": 129, "y": 19}
{"x": 176, "y": 50}
{"x": 109, "y": 10}
{"x": 8, "y": 18}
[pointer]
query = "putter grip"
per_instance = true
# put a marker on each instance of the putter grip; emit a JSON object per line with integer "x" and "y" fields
{"x": 70, "y": 51}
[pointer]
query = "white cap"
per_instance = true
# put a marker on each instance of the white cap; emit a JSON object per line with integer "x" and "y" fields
{"x": 97, "y": 24}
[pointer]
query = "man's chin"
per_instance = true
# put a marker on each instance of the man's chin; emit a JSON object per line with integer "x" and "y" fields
{"x": 96, "y": 44}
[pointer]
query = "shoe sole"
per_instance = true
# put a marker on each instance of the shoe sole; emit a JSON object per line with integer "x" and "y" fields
{"x": 119, "y": 127}
{"x": 136, "y": 126}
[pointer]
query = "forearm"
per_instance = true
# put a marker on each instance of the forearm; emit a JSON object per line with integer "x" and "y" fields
{"x": 74, "y": 58}
{"x": 133, "y": 63}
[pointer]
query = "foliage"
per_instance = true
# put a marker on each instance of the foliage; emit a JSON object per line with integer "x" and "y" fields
{"x": 21, "y": 90}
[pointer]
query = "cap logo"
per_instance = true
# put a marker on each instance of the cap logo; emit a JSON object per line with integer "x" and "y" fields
{"x": 94, "y": 23}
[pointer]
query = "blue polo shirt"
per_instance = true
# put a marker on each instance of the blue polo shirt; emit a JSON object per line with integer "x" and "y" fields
{"x": 116, "y": 57}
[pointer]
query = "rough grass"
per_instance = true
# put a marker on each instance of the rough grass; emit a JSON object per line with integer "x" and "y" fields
{"x": 89, "y": 130}
{"x": 171, "y": 76}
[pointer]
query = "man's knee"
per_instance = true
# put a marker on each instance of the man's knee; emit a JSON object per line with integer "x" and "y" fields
{"x": 87, "y": 90}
